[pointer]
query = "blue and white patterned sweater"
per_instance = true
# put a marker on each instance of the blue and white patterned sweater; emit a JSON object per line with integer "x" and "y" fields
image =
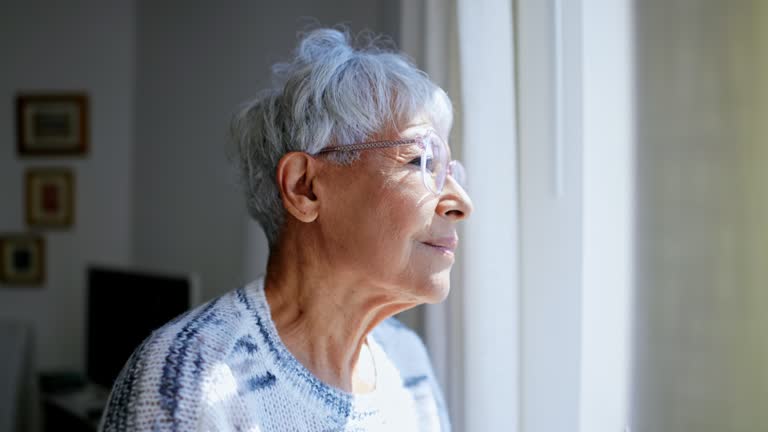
{"x": 223, "y": 367}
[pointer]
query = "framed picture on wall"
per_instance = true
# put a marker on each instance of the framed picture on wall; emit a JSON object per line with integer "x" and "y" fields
{"x": 50, "y": 196}
{"x": 22, "y": 259}
{"x": 52, "y": 124}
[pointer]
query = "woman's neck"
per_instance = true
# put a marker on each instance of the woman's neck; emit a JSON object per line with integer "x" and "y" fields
{"x": 324, "y": 319}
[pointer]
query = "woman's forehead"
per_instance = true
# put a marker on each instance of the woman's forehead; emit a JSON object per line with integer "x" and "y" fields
{"x": 417, "y": 126}
{"x": 420, "y": 126}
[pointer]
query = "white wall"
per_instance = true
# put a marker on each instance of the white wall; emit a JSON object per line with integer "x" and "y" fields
{"x": 702, "y": 231}
{"x": 76, "y": 45}
{"x": 197, "y": 61}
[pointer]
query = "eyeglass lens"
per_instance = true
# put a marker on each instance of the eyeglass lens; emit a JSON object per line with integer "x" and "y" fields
{"x": 435, "y": 165}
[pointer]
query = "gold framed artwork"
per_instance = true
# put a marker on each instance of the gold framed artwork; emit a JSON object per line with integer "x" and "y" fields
{"x": 22, "y": 259}
{"x": 50, "y": 196}
{"x": 52, "y": 124}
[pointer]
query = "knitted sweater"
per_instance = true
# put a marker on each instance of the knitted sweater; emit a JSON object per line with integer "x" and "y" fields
{"x": 223, "y": 367}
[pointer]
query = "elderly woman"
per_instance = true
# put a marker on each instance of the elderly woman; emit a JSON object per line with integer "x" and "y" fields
{"x": 346, "y": 167}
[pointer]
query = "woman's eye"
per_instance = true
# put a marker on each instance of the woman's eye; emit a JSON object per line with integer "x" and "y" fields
{"x": 417, "y": 161}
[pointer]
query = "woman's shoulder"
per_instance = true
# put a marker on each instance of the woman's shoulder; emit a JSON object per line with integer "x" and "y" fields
{"x": 202, "y": 331}
{"x": 163, "y": 379}
{"x": 191, "y": 328}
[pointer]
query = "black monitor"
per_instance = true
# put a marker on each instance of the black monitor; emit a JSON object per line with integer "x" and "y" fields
{"x": 123, "y": 307}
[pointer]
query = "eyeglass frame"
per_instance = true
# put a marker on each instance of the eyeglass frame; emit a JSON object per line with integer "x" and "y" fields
{"x": 451, "y": 166}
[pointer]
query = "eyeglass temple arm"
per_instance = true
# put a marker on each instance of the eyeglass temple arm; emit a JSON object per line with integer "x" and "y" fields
{"x": 370, "y": 145}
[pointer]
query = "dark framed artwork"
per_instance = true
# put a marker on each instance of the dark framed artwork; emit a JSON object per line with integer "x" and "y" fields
{"x": 52, "y": 124}
{"x": 50, "y": 196}
{"x": 22, "y": 259}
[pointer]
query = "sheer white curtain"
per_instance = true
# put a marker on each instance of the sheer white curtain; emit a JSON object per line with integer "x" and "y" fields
{"x": 467, "y": 47}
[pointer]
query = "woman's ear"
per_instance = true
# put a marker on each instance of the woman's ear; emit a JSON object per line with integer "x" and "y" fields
{"x": 295, "y": 176}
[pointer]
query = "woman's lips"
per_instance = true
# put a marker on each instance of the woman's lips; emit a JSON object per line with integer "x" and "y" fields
{"x": 444, "y": 251}
{"x": 446, "y": 245}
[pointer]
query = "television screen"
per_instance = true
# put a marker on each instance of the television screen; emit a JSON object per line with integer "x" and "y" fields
{"x": 124, "y": 306}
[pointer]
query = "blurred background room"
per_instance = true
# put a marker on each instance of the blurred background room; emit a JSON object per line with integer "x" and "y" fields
{"x": 611, "y": 279}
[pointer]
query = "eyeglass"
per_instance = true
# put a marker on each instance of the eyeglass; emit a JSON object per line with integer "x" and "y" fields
{"x": 435, "y": 166}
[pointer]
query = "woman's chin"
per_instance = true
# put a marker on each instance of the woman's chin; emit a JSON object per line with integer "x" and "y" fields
{"x": 436, "y": 289}
{"x": 438, "y": 296}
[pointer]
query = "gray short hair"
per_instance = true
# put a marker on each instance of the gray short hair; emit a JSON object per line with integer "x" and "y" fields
{"x": 329, "y": 94}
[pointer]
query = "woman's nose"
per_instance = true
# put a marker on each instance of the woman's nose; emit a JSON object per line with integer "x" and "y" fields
{"x": 454, "y": 202}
